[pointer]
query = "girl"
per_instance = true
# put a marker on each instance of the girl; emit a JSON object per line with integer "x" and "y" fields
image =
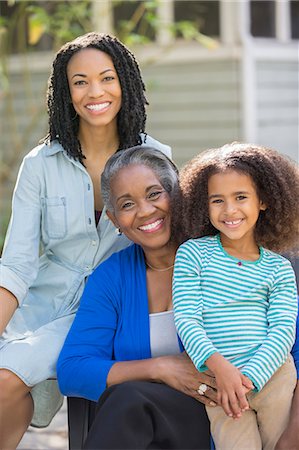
{"x": 96, "y": 106}
{"x": 235, "y": 300}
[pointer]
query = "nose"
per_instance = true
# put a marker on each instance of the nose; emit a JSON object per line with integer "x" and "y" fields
{"x": 95, "y": 90}
{"x": 146, "y": 208}
{"x": 229, "y": 207}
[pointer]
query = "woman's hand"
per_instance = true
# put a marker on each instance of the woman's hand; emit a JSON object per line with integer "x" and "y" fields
{"x": 180, "y": 373}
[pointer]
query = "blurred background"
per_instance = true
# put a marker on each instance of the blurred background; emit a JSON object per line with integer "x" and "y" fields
{"x": 215, "y": 71}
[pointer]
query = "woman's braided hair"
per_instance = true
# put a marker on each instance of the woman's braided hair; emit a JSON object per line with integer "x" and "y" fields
{"x": 63, "y": 120}
{"x": 276, "y": 179}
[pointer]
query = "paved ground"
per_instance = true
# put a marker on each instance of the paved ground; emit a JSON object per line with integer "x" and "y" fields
{"x": 52, "y": 438}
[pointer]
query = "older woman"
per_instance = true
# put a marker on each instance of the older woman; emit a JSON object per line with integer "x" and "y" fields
{"x": 123, "y": 347}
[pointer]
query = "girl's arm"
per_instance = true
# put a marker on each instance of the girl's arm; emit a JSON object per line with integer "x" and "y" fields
{"x": 281, "y": 316}
{"x": 188, "y": 303}
{"x": 19, "y": 262}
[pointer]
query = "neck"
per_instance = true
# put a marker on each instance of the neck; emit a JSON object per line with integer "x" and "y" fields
{"x": 160, "y": 260}
{"x": 245, "y": 248}
{"x": 101, "y": 139}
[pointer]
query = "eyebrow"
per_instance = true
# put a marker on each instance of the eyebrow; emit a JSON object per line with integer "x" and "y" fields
{"x": 85, "y": 76}
{"x": 146, "y": 191}
{"x": 234, "y": 193}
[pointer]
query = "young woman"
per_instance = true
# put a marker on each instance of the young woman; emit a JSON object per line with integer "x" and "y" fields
{"x": 96, "y": 106}
{"x": 123, "y": 349}
{"x": 235, "y": 300}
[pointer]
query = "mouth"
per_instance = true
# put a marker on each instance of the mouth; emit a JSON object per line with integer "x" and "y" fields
{"x": 232, "y": 223}
{"x": 98, "y": 106}
{"x": 151, "y": 227}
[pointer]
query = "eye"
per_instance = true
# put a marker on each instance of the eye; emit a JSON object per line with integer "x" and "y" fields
{"x": 154, "y": 195}
{"x": 109, "y": 78}
{"x": 79, "y": 83}
{"x": 216, "y": 201}
{"x": 241, "y": 197}
{"x": 127, "y": 205}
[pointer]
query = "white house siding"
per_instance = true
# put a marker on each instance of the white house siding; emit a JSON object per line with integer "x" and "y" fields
{"x": 277, "y": 105}
{"x": 194, "y": 105}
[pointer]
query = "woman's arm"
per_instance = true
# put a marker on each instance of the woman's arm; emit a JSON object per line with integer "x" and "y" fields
{"x": 86, "y": 365}
{"x": 176, "y": 371}
{"x": 19, "y": 262}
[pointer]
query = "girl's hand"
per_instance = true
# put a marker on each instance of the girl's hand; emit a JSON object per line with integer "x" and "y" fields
{"x": 180, "y": 373}
{"x": 232, "y": 386}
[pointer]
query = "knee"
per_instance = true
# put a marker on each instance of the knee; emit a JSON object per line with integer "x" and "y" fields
{"x": 124, "y": 396}
{"x": 11, "y": 386}
{"x": 129, "y": 390}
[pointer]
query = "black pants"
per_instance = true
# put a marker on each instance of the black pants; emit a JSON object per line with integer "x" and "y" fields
{"x": 143, "y": 415}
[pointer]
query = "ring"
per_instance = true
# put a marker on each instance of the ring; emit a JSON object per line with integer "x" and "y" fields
{"x": 202, "y": 389}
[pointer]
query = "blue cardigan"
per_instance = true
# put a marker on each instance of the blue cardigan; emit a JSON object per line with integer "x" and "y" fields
{"x": 112, "y": 324}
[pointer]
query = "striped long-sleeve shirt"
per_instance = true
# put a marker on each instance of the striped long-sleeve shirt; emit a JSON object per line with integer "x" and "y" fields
{"x": 245, "y": 310}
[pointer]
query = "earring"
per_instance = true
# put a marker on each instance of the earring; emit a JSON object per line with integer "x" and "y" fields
{"x": 118, "y": 231}
{"x": 75, "y": 116}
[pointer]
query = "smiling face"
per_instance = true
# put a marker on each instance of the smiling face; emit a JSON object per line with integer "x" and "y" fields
{"x": 234, "y": 205}
{"x": 141, "y": 207}
{"x": 94, "y": 87}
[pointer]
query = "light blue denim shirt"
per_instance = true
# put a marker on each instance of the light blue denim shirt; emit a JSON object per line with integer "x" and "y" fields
{"x": 51, "y": 247}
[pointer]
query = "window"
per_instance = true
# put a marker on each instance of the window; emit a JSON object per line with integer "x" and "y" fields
{"x": 294, "y": 6}
{"x": 137, "y": 17}
{"x": 262, "y": 14}
{"x": 204, "y": 14}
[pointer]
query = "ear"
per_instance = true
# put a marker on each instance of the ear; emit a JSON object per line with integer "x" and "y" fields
{"x": 263, "y": 206}
{"x": 112, "y": 218}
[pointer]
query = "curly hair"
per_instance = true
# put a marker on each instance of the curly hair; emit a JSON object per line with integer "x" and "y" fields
{"x": 63, "y": 120}
{"x": 276, "y": 179}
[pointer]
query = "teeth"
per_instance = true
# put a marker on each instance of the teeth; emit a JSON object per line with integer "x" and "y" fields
{"x": 98, "y": 107}
{"x": 233, "y": 222}
{"x": 150, "y": 226}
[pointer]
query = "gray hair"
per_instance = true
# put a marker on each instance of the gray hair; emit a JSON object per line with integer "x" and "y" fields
{"x": 164, "y": 169}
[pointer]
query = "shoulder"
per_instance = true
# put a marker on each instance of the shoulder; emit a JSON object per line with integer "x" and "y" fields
{"x": 119, "y": 263}
{"x": 275, "y": 258}
{"x": 149, "y": 140}
{"x": 194, "y": 250}
{"x": 198, "y": 244}
{"x": 42, "y": 151}
{"x": 278, "y": 264}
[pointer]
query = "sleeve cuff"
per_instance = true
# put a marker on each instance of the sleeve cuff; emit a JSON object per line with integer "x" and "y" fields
{"x": 10, "y": 281}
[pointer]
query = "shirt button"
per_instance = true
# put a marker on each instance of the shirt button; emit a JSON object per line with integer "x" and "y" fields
{"x": 93, "y": 243}
{"x": 87, "y": 267}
